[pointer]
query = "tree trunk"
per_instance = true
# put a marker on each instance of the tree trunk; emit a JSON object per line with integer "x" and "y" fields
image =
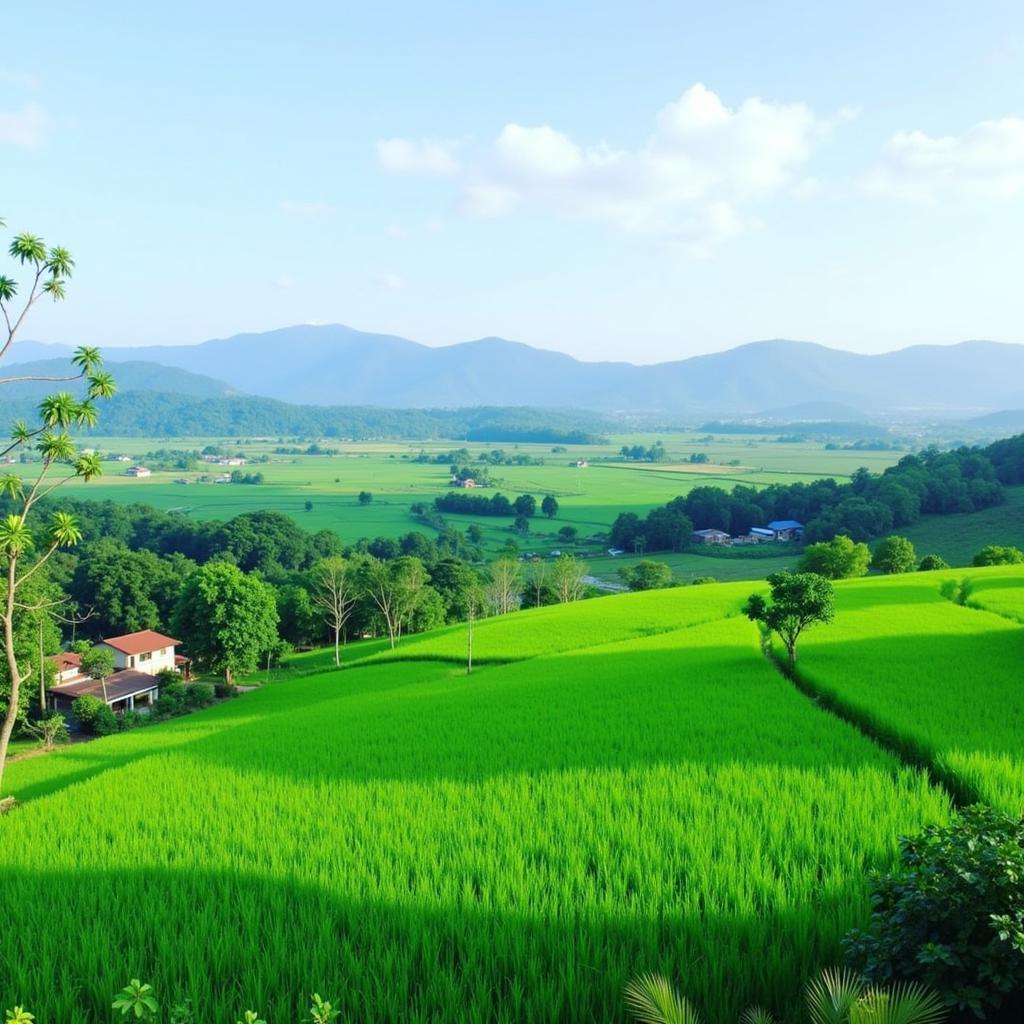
{"x": 7, "y": 729}
{"x": 227, "y": 674}
{"x": 337, "y": 646}
{"x": 42, "y": 673}
{"x": 792, "y": 657}
{"x": 103, "y": 683}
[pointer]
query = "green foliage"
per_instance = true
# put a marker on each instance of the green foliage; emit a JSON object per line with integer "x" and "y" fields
{"x": 229, "y": 618}
{"x": 98, "y": 663}
{"x": 549, "y": 506}
{"x": 199, "y": 695}
{"x": 930, "y": 563}
{"x": 894, "y": 555}
{"x": 94, "y": 715}
{"x": 651, "y": 999}
{"x": 136, "y": 1002}
{"x": 997, "y": 554}
{"x": 365, "y": 497}
{"x": 837, "y": 559}
{"x": 321, "y": 1011}
{"x": 951, "y": 916}
{"x": 49, "y": 730}
{"x": 646, "y": 575}
{"x": 798, "y": 601}
{"x": 18, "y": 1015}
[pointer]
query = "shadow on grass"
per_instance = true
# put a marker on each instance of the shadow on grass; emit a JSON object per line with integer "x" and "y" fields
{"x": 230, "y": 941}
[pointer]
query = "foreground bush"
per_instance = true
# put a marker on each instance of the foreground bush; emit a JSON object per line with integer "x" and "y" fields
{"x": 952, "y": 915}
{"x": 94, "y": 716}
{"x": 199, "y": 695}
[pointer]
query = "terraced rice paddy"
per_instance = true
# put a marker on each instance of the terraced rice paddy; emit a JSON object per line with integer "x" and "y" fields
{"x": 634, "y": 788}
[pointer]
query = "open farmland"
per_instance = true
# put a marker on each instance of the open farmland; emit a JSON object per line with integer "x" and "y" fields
{"x": 590, "y": 498}
{"x": 425, "y": 845}
{"x": 932, "y": 676}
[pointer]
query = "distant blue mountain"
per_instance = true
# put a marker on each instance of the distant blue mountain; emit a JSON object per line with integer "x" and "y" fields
{"x": 337, "y": 365}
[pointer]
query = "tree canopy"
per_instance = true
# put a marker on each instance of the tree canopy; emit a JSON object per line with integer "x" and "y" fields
{"x": 798, "y": 601}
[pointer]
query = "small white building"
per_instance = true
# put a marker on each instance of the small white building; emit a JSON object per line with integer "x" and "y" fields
{"x": 139, "y": 471}
{"x": 145, "y": 651}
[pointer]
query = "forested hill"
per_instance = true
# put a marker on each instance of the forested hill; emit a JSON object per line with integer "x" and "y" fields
{"x": 155, "y": 414}
{"x": 337, "y": 365}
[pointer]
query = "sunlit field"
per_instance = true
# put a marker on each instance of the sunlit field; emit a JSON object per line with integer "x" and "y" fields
{"x": 621, "y": 785}
{"x": 938, "y": 678}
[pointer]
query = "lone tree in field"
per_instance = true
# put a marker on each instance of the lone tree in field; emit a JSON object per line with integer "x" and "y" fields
{"x": 837, "y": 559}
{"x": 895, "y": 554}
{"x": 549, "y": 506}
{"x": 98, "y": 664}
{"x": 396, "y": 587}
{"x": 335, "y": 591}
{"x": 24, "y": 549}
{"x": 228, "y": 617}
{"x": 365, "y": 497}
{"x": 798, "y": 600}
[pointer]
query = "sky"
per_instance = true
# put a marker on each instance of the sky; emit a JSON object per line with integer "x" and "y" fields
{"x": 641, "y": 181}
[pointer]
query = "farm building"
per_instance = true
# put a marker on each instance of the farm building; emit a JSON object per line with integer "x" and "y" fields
{"x": 786, "y": 529}
{"x": 582, "y": 463}
{"x": 147, "y": 651}
{"x": 132, "y": 686}
{"x": 759, "y": 533}
{"x": 710, "y": 537}
{"x": 138, "y": 471}
{"x": 468, "y": 482}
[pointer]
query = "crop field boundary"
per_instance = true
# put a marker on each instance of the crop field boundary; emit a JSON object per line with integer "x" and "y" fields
{"x": 909, "y": 751}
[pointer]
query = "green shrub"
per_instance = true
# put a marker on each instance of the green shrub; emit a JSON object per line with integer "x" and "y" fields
{"x": 951, "y": 916}
{"x": 131, "y": 720}
{"x": 175, "y": 695}
{"x": 932, "y": 562}
{"x": 223, "y": 690}
{"x": 997, "y": 554}
{"x": 199, "y": 695}
{"x": 94, "y": 716}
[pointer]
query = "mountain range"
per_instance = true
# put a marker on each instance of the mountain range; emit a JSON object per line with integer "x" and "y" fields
{"x": 337, "y": 365}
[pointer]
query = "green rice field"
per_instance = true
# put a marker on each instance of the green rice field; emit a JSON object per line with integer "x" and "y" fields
{"x": 623, "y": 785}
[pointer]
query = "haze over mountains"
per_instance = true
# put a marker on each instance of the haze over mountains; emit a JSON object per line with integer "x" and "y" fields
{"x": 337, "y": 365}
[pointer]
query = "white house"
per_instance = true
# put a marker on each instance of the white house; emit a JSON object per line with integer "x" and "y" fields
{"x": 146, "y": 651}
{"x": 138, "y": 471}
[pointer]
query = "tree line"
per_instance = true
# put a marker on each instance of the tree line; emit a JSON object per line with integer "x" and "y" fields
{"x": 869, "y": 505}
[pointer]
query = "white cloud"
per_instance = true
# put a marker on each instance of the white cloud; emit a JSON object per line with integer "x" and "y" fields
{"x": 25, "y": 127}
{"x": 388, "y": 282}
{"x": 305, "y": 208}
{"x": 700, "y": 165}
{"x": 394, "y": 231}
{"x": 435, "y": 157}
{"x": 987, "y": 161}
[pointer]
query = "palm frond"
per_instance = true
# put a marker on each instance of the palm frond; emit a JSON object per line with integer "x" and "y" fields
{"x": 756, "y": 1015}
{"x": 904, "y": 1003}
{"x": 651, "y": 999}
{"x": 831, "y": 997}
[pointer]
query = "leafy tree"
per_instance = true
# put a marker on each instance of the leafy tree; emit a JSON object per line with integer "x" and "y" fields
{"x": 521, "y": 524}
{"x": 798, "y": 601}
{"x": 396, "y": 588}
{"x": 567, "y": 578}
{"x": 525, "y": 505}
{"x": 455, "y": 582}
{"x": 503, "y": 589}
{"x": 227, "y": 618}
{"x": 298, "y": 622}
{"x": 895, "y": 554}
{"x": 335, "y": 591}
{"x": 951, "y": 915}
{"x": 25, "y": 549}
{"x": 49, "y": 730}
{"x": 538, "y": 590}
{"x": 568, "y": 534}
{"x": 996, "y": 554}
{"x": 549, "y": 506}
{"x": 474, "y": 533}
{"x": 837, "y": 559}
{"x": 94, "y": 715}
{"x": 365, "y": 497}
{"x": 98, "y": 664}
{"x": 308, "y": 505}
{"x": 646, "y": 575}
{"x": 931, "y": 562}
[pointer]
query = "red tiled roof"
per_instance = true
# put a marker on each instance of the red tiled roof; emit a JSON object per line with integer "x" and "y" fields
{"x": 66, "y": 660}
{"x": 140, "y": 643}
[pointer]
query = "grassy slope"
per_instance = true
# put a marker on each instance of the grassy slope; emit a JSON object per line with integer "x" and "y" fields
{"x": 428, "y": 846}
{"x": 940, "y": 678}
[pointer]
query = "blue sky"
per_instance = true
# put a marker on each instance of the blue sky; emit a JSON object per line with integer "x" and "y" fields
{"x": 615, "y": 180}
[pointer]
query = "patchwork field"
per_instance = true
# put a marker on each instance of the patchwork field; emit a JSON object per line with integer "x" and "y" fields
{"x": 590, "y": 498}
{"x": 634, "y": 788}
